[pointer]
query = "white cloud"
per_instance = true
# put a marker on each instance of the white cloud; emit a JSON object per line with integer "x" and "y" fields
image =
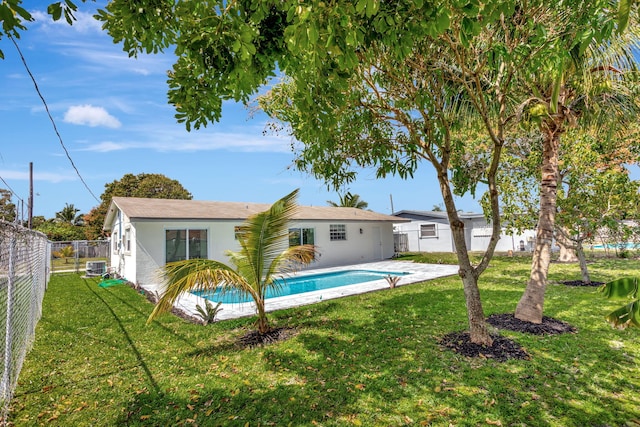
{"x": 84, "y": 23}
{"x": 52, "y": 177}
{"x": 212, "y": 142}
{"x": 89, "y": 115}
{"x": 105, "y": 147}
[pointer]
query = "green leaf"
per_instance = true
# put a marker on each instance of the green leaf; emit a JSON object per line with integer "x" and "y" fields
{"x": 443, "y": 22}
{"x": 626, "y": 287}
{"x": 557, "y": 85}
{"x": 624, "y": 9}
{"x": 625, "y": 316}
{"x": 360, "y": 6}
{"x": 312, "y": 34}
{"x": 55, "y": 10}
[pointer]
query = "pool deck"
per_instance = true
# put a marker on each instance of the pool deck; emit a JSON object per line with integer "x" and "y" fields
{"x": 417, "y": 273}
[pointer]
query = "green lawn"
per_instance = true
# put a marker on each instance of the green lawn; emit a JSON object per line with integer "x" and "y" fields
{"x": 368, "y": 360}
{"x": 69, "y": 264}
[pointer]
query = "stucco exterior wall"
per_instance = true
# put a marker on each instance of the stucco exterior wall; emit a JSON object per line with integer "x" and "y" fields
{"x": 142, "y": 263}
{"x": 477, "y": 237}
{"x": 442, "y": 242}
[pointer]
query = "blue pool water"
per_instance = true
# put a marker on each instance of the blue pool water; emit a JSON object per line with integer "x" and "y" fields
{"x": 618, "y": 246}
{"x": 302, "y": 284}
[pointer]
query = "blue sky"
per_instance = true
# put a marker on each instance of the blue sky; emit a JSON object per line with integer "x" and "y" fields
{"x": 113, "y": 116}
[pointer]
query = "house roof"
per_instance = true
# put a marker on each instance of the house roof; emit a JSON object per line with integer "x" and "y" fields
{"x": 172, "y": 209}
{"x": 436, "y": 214}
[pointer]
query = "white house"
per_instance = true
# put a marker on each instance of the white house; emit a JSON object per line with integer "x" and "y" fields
{"x": 429, "y": 231}
{"x": 148, "y": 233}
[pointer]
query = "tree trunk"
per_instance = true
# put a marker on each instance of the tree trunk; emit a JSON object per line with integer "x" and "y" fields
{"x": 530, "y": 306}
{"x": 262, "y": 322}
{"x": 583, "y": 263}
{"x": 478, "y": 330}
{"x": 475, "y": 314}
{"x": 567, "y": 253}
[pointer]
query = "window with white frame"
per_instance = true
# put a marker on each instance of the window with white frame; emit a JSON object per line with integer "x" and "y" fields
{"x": 115, "y": 243}
{"x": 185, "y": 244}
{"x": 428, "y": 230}
{"x": 301, "y": 236}
{"x": 127, "y": 239}
{"x": 337, "y": 232}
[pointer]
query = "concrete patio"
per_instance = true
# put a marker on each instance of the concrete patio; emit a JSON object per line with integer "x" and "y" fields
{"x": 416, "y": 273}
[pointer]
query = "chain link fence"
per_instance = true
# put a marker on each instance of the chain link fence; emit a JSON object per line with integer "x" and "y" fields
{"x": 73, "y": 256}
{"x": 25, "y": 265}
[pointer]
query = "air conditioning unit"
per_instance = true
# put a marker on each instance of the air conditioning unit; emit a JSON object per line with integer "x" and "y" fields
{"x": 95, "y": 268}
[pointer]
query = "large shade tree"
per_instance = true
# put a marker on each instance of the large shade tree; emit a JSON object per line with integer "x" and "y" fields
{"x": 145, "y": 185}
{"x": 406, "y": 82}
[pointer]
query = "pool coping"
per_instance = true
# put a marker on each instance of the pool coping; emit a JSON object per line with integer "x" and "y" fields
{"x": 417, "y": 272}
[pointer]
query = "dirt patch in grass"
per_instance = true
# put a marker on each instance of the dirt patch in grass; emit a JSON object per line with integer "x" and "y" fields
{"x": 549, "y": 325}
{"x": 255, "y": 338}
{"x": 581, "y": 283}
{"x": 501, "y": 350}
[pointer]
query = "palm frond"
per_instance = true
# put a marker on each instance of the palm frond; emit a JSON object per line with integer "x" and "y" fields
{"x": 193, "y": 275}
{"x": 265, "y": 237}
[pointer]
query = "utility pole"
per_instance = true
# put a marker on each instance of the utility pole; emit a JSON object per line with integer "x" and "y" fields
{"x": 30, "y": 207}
{"x": 391, "y": 198}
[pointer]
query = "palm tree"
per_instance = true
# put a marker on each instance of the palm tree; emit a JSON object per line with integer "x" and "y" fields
{"x": 68, "y": 215}
{"x": 264, "y": 256}
{"x": 349, "y": 200}
{"x": 598, "y": 86}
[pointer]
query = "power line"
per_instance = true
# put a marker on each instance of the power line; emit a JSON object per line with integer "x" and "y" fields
{"x": 11, "y": 189}
{"x": 55, "y": 128}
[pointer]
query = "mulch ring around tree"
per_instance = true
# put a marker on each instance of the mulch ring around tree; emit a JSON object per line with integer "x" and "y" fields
{"x": 501, "y": 350}
{"x": 581, "y": 283}
{"x": 549, "y": 325}
{"x": 255, "y": 338}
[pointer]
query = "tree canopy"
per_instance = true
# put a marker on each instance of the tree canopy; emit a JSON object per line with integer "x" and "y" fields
{"x": 7, "y": 207}
{"x": 14, "y": 17}
{"x": 388, "y": 85}
{"x": 151, "y": 186}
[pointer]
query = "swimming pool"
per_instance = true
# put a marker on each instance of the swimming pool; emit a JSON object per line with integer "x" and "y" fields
{"x": 629, "y": 245}
{"x": 303, "y": 284}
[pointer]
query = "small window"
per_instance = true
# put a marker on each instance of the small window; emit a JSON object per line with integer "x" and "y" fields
{"x": 337, "y": 232}
{"x": 115, "y": 242}
{"x": 127, "y": 240}
{"x": 428, "y": 230}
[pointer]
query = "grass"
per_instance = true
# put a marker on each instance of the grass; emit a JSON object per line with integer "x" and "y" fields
{"x": 366, "y": 360}
{"x": 67, "y": 264}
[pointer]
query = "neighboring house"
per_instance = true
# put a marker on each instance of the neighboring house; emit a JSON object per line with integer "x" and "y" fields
{"x": 148, "y": 233}
{"x": 429, "y": 231}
